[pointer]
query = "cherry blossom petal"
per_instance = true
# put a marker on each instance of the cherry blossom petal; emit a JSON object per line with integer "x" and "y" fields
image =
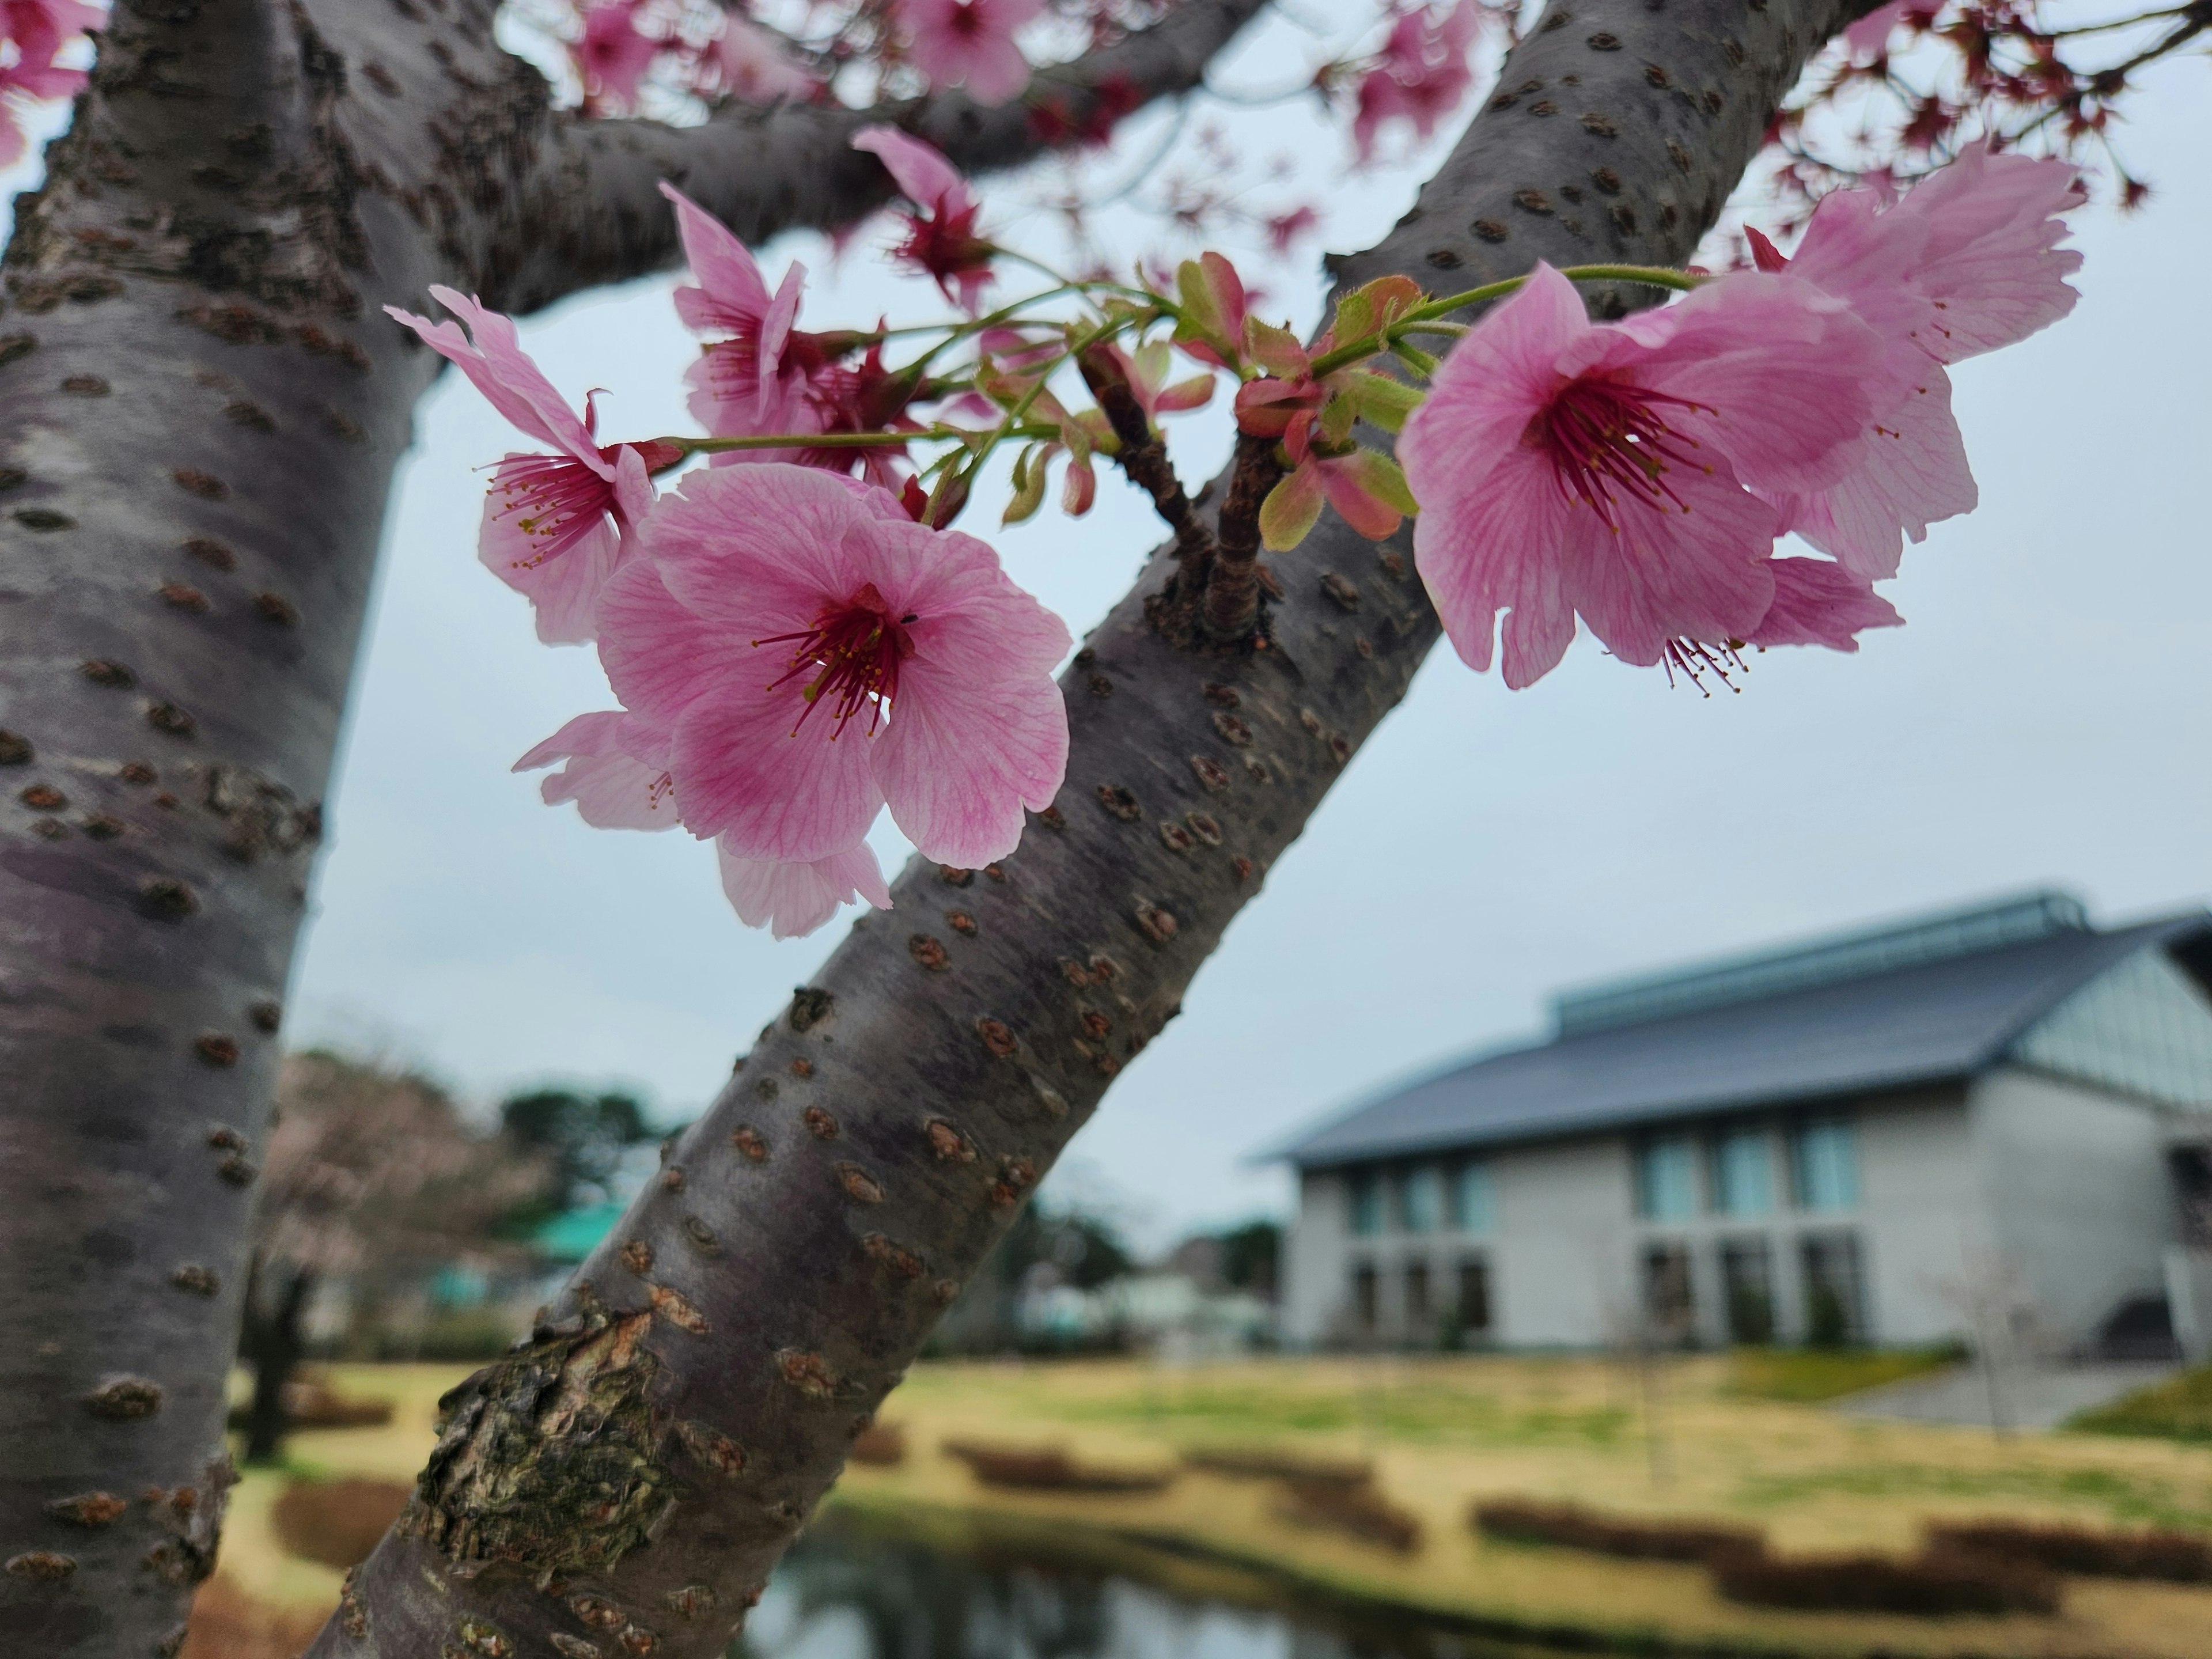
{"x": 1817, "y": 603}
{"x": 497, "y": 365}
{"x": 1909, "y": 472}
{"x": 563, "y": 590}
{"x": 962, "y": 759}
{"x": 921, "y": 172}
{"x": 794, "y": 899}
{"x": 749, "y": 771}
{"x": 730, "y": 295}
{"x": 1992, "y": 262}
{"x": 611, "y": 788}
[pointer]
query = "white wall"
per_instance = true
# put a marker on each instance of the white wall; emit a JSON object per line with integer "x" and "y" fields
{"x": 1559, "y": 1273}
{"x": 1923, "y": 1229}
{"x": 1316, "y": 1273}
{"x": 2076, "y": 1184}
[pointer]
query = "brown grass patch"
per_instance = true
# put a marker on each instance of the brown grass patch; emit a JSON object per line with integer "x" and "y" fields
{"x": 1524, "y": 1521}
{"x": 2178, "y": 1557}
{"x": 228, "y": 1624}
{"x": 1930, "y": 1584}
{"x": 1358, "y": 1511}
{"x": 310, "y": 1402}
{"x": 1050, "y": 1468}
{"x": 1279, "y": 1463}
{"x": 336, "y": 1523}
{"x": 882, "y": 1444}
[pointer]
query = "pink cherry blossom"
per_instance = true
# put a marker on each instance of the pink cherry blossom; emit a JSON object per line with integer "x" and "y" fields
{"x": 616, "y": 770}
{"x": 971, "y": 42}
{"x": 746, "y": 64}
{"x": 1865, "y": 38}
{"x": 38, "y": 30}
{"x": 1819, "y": 603}
{"x": 1568, "y": 468}
{"x": 1968, "y": 261}
{"x": 613, "y": 53}
{"x": 816, "y": 653}
{"x": 1421, "y": 75}
{"x": 554, "y": 524}
{"x": 941, "y": 240}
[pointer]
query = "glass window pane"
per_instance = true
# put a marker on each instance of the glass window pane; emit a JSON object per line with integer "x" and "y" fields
{"x": 1667, "y": 1180}
{"x": 1827, "y": 1173}
{"x": 1475, "y": 1199}
{"x": 1366, "y": 1203}
{"x": 1743, "y": 1173}
{"x": 1425, "y": 1200}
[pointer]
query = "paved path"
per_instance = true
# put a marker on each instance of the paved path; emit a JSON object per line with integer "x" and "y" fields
{"x": 2030, "y": 1396}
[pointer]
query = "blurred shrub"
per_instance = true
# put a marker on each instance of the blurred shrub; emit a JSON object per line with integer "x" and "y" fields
{"x": 1050, "y": 1468}
{"x": 2179, "y": 1557}
{"x": 1809, "y": 1376}
{"x": 881, "y": 1443}
{"x": 1524, "y": 1521}
{"x": 228, "y": 1624}
{"x": 463, "y": 1334}
{"x": 336, "y": 1523}
{"x": 1279, "y": 1463}
{"x": 1933, "y": 1583}
{"x": 1359, "y": 1511}
{"x": 310, "y": 1402}
{"x": 2179, "y": 1408}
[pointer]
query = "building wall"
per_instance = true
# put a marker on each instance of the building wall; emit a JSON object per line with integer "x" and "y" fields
{"x": 2076, "y": 1181}
{"x": 1314, "y": 1260}
{"x": 1922, "y": 1225}
{"x": 1559, "y": 1254}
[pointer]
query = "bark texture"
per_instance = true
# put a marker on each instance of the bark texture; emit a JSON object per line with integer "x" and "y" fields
{"x": 203, "y": 411}
{"x": 624, "y": 1483}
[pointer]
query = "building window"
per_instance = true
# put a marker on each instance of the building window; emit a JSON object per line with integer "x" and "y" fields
{"x": 1362, "y": 1298}
{"x": 1835, "y": 1312}
{"x": 1667, "y": 1180}
{"x": 1747, "y": 1282}
{"x": 1475, "y": 1199}
{"x": 1366, "y": 1203}
{"x": 1473, "y": 1297}
{"x": 1420, "y": 1317}
{"x": 1667, "y": 1301}
{"x": 1824, "y": 1167}
{"x": 1743, "y": 1173}
{"x": 1424, "y": 1198}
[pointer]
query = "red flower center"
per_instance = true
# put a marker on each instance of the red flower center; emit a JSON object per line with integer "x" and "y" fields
{"x": 966, "y": 22}
{"x": 554, "y": 500}
{"x": 1607, "y": 439}
{"x": 853, "y": 653}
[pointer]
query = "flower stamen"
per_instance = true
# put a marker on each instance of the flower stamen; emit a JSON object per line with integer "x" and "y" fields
{"x": 1605, "y": 437}
{"x": 852, "y": 651}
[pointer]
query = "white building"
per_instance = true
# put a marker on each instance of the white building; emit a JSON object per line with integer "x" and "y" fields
{"x": 1891, "y": 1137}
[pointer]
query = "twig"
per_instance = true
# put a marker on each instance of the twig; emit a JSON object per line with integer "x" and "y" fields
{"x": 1232, "y": 609}
{"x": 1144, "y": 459}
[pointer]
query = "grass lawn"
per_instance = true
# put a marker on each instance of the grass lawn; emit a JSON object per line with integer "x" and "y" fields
{"x": 2179, "y": 1408}
{"x": 1442, "y": 1433}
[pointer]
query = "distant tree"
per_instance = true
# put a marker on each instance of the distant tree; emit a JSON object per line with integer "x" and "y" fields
{"x": 1250, "y": 1257}
{"x": 582, "y": 1138}
{"x": 369, "y": 1171}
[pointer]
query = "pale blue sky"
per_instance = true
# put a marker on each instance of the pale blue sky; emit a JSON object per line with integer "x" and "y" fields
{"x": 2045, "y": 718}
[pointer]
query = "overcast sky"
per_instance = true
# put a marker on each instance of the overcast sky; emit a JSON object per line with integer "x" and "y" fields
{"x": 2045, "y": 719}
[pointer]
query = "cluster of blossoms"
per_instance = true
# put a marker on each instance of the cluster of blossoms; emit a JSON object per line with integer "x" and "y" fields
{"x": 34, "y": 35}
{"x": 797, "y": 638}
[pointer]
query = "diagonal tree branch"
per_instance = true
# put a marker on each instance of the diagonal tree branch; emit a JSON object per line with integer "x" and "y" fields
{"x": 625, "y": 1481}
{"x": 591, "y": 211}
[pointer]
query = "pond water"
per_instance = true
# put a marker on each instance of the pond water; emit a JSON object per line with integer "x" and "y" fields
{"x": 850, "y": 1590}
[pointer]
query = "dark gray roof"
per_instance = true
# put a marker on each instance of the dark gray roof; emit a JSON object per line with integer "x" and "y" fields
{"x": 1920, "y": 1025}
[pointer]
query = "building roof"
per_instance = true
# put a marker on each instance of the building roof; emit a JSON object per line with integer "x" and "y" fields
{"x": 1933, "y": 1002}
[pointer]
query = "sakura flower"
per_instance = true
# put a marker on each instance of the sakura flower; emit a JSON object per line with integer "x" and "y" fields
{"x": 613, "y": 53}
{"x": 816, "y": 653}
{"x": 746, "y": 66}
{"x": 1865, "y": 38}
{"x": 757, "y": 380}
{"x": 1568, "y": 468}
{"x": 1421, "y": 75}
{"x": 38, "y": 30}
{"x": 1819, "y": 603}
{"x": 554, "y": 524}
{"x": 1968, "y": 261}
{"x": 941, "y": 239}
{"x": 617, "y": 772}
{"x": 1283, "y": 229}
{"x": 971, "y": 42}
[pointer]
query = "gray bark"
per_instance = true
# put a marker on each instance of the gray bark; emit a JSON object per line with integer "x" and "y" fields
{"x": 203, "y": 411}
{"x": 625, "y": 1482}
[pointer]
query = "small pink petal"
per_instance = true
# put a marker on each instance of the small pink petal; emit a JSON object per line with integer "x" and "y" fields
{"x": 794, "y": 899}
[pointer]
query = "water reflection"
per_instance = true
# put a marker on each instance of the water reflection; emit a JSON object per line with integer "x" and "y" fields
{"x": 850, "y": 1590}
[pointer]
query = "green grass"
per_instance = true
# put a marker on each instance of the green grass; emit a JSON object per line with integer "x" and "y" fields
{"x": 1403, "y": 1411}
{"x": 1806, "y": 1376}
{"x": 2126, "y": 1499}
{"x": 2179, "y": 1408}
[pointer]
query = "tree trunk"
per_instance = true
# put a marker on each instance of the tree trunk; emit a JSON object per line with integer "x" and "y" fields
{"x": 203, "y": 411}
{"x": 625, "y": 1482}
{"x": 273, "y": 1343}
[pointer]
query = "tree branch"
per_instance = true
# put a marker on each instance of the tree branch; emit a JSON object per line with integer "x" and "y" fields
{"x": 592, "y": 212}
{"x": 628, "y": 1481}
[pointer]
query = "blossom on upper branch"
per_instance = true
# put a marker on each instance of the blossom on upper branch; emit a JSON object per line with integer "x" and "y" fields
{"x": 941, "y": 239}
{"x": 612, "y": 54}
{"x": 1566, "y": 468}
{"x": 744, "y": 64}
{"x": 815, "y": 653}
{"x": 1968, "y": 261}
{"x": 615, "y": 769}
{"x": 971, "y": 43}
{"x": 38, "y": 30}
{"x": 756, "y": 378}
{"x": 1420, "y": 76}
{"x": 554, "y": 524}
